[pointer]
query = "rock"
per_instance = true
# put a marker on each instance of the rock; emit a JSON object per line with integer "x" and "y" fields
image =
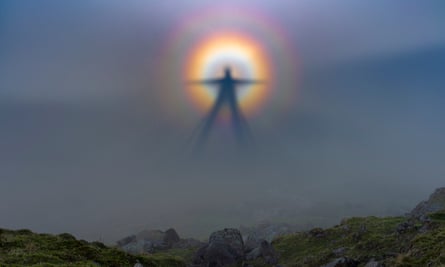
{"x": 138, "y": 264}
{"x": 339, "y": 251}
{"x": 217, "y": 255}
{"x": 405, "y": 227}
{"x": 126, "y": 240}
{"x": 268, "y": 253}
{"x": 266, "y": 231}
{"x": 188, "y": 243}
{"x": 252, "y": 242}
{"x": 342, "y": 262}
{"x": 356, "y": 236}
{"x": 317, "y": 232}
{"x": 362, "y": 229}
{"x": 265, "y": 251}
{"x": 231, "y": 237}
{"x": 254, "y": 254}
{"x": 435, "y": 203}
{"x": 138, "y": 247}
{"x": 253, "y": 236}
{"x": 149, "y": 241}
{"x": 426, "y": 226}
{"x": 373, "y": 263}
{"x": 225, "y": 248}
{"x": 171, "y": 237}
{"x": 152, "y": 235}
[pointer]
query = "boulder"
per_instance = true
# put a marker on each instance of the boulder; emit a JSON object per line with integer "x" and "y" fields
{"x": 266, "y": 231}
{"x": 339, "y": 251}
{"x": 126, "y": 240}
{"x": 188, "y": 243}
{"x": 405, "y": 227}
{"x": 225, "y": 248}
{"x": 252, "y": 241}
{"x": 435, "y": 203}
{"x": 265, "y": 251}
{"x": 317, "y": 232}
{"x": 171, "y": 237}
{"x": 342, "y": 262}
{"x": 231, "y": 237}
{"x": 152, "y": 235}
{"x": 149, "y": 241}
{"x": 217, "y": 255}
{"x": 373, "y": 263}
{"x": 138, "y": 247}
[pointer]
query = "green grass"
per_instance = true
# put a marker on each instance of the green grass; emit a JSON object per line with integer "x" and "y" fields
{"x": 428, "y": 248}
{"x": 184, "y": 254}
{"x": 24, "y": 248}
{"x": 438, "y": 216}
{"x": 361, "y": 239}
{"x": 367, "y": 238}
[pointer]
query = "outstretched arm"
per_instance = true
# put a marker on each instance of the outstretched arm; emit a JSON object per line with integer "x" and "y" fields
{"x": 246, "y": 82}
{"x": 206, "y": 82}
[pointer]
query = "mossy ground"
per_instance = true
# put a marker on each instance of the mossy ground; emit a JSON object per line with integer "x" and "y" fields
{"x": 184, "y": 254}
{"x": 363, "y": 239}
{"x": 24, "y": 248}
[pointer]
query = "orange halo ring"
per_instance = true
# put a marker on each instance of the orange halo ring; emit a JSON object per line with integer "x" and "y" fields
{"x": 197, "y": 68}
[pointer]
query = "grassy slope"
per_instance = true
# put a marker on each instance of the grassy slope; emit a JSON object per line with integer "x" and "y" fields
{"x": 361, "y": 239}
{"x": 367, "y": 238}
{"x": 24, "y": 248}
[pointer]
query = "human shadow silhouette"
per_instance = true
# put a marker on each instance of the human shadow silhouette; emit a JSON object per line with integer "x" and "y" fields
{"x": 226, "y": 97}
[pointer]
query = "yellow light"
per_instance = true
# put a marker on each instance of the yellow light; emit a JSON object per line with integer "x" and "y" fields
{"x": 208, "y": 59}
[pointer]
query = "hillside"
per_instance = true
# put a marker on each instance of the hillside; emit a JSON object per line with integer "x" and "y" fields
{"x": 392, "y": 241}
{"x": 25, "y": 248}
{"x": 416, "y": 239}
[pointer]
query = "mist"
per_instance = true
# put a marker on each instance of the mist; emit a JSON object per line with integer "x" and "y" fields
{"x": 89, "y": 146}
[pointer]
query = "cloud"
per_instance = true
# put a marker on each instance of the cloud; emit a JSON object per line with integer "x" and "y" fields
{"x": 86, "y": 148}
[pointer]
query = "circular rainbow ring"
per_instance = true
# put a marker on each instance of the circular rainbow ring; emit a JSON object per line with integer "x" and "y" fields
{"x": 253, "y": 45}
{"x": 246, "y": 58}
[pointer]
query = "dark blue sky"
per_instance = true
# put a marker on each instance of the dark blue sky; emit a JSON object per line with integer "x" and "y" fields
{"x": 84, "y": 143}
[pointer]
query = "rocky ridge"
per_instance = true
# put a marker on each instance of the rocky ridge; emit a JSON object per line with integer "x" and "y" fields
{"x": 416, "y": 239}
{"x": 151, "y": 241}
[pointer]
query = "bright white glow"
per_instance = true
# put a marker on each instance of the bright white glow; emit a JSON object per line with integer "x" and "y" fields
{"x": 238, "y": 60}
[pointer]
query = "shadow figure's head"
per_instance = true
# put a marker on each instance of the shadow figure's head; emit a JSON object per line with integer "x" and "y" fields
{"x": 227, "y": 72}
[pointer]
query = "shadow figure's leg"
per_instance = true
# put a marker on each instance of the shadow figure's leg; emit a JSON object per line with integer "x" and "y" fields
{"x": 246, "y": 129}
{"x": 210, "y": 120}
{"x": 196, "y": 130}
{"x": 237, "y": 120}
